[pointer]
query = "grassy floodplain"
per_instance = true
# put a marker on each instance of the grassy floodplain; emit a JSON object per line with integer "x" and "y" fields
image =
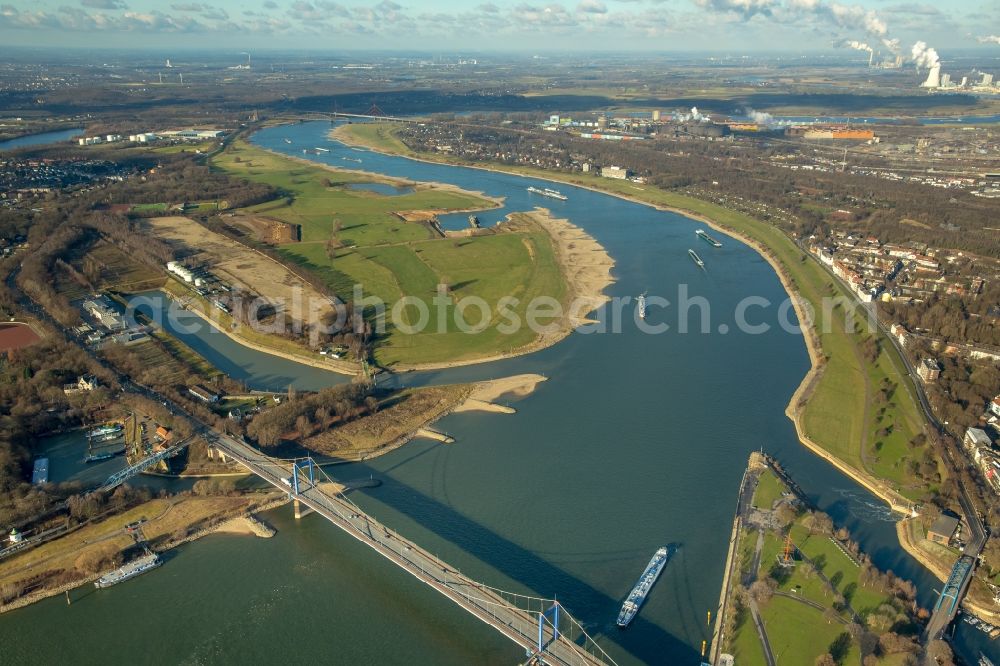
{"x": 841, "y": 412}
{"x": 391, "y": 257}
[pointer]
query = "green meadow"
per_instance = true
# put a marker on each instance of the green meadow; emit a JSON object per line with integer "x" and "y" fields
{"x": 390, "y": 258}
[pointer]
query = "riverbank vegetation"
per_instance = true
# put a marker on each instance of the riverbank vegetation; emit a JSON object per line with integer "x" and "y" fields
{"x": 397, "y": 418}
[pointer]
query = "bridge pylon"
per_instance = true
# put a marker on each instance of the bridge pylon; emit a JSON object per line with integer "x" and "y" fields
{"x": 548, "y": 617}
{"x": 307, "y": 467}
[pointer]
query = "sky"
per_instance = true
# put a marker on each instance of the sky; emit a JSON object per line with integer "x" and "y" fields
{"x": 508, "y": 25}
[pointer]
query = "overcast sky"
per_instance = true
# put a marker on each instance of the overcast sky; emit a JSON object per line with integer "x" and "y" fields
{"x": 435, "y": 25}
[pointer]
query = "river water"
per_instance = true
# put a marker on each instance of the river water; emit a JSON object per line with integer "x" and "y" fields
{"x": 635, "y": 441}
{"x": 42, "y": 139}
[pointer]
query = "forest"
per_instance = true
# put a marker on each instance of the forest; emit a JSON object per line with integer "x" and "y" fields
{"x": 32, "y": 403}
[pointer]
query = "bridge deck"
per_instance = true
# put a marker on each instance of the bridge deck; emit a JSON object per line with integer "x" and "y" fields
{"x": 518, "y": 625}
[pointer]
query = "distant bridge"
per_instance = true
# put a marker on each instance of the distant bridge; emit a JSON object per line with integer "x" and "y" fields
{"x": 546, "y": 631}
{"x": 374, "y": 116}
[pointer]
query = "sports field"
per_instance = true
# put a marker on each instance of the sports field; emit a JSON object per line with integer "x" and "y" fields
{"x": 16, "y": 336}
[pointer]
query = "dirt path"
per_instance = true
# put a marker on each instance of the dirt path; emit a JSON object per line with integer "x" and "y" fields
{"x": 243, "y": 266}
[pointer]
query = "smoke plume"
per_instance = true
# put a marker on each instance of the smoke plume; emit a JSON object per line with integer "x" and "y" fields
{"x": 860, "y": 46}
{"x": 761, "y": 118}
{"x": 924, "y": 56}
{"x": 694, "y": 116}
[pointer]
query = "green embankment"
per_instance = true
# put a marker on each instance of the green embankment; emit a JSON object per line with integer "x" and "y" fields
{"x": 390, "y": 258}
{"x": 769, "y": 489}
{"x": 844, "y": 414}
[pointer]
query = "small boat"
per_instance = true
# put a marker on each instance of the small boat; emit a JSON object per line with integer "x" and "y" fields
{"x": 105, "y": 430}
{"x": 641, "y": 590}
{"x": 696, "y": 259}
{"x": 97, "y": 457}
{"x": 351, "y": 159}
{"x": 984, "y": 660}
{"x": 548, "y": 192}
{"x": 641, "y": 305}
{"x": 288, "y": 140}
{"x": 130, "y": 570}
{"x": 322, "y": 150}
{"x": 708, "y": 239}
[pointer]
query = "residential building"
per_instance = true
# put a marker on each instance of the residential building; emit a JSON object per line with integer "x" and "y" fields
{"x": 976, "y": 438}
{"x": 929, "y": 370}
{"x": 82, "y": 384}
{"x": 203, "y": 394}
{"x": 899, "y": 332}
{"x": 995, "y": 406}
{"x": 615, "y": 172}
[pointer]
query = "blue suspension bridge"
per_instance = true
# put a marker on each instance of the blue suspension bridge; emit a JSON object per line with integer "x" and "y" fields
{"x": 546, "y": 631}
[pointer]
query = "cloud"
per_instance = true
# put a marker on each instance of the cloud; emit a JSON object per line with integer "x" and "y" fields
{"x": 79, "y": 20}
{"x": 744, "y": 8}
{"x": 103, "y": 4}
{"x": 989, "y": 39}
{"x": 217, "y": 14}
{"x": 270, "y": 4}
{"x": 592, "y": 7}
{"x": 189, "y": 7}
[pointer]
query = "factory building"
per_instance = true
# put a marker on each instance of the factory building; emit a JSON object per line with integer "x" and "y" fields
{"x": 102, "y": 310}
{"x": 831, "y": 133}
{"x": 615, "y": 172}
{"x": 181, "y": 271}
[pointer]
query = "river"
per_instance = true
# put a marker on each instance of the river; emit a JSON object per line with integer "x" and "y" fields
{"x": 41, "y": 139}
{"x": 635, "y": 441}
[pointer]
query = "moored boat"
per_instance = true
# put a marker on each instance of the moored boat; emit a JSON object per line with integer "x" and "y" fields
{"x": 130, "y": 570}
{"x": 105, "y": 430}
